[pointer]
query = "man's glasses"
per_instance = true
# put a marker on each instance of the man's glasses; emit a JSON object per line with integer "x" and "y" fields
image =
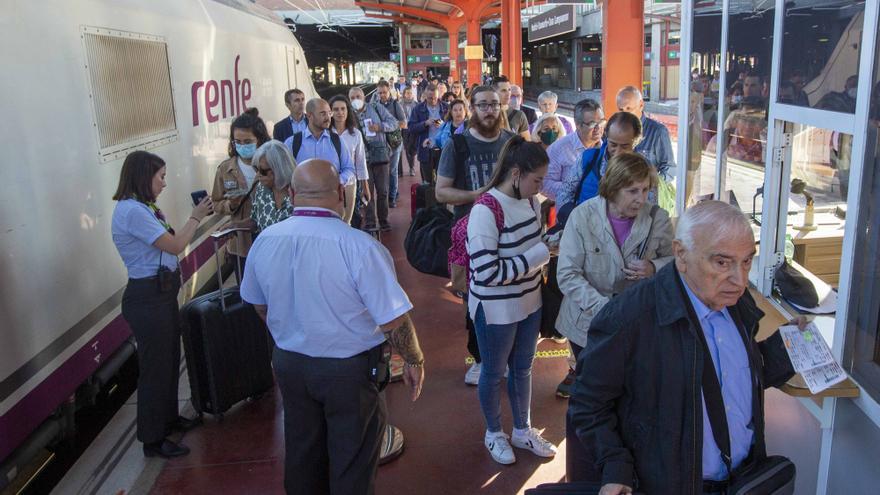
{"x": 487, "y": 106}
{"x": 592, "y": 125}
{"x": 263, "y": 171}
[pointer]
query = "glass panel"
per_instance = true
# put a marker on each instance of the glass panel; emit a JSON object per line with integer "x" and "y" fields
{"x": 820, "y": 54}
{"x": 864, "y": 320}
{"x": 815, "y": 218}
{"x": 744, "y": 136}
{"x": 703, "y": 102}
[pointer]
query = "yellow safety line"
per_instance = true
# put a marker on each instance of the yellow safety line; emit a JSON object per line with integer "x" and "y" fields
{"x": 555, "y": 353}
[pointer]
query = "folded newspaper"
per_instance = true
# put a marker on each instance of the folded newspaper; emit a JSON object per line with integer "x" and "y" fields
{"x": 811, "y": 357}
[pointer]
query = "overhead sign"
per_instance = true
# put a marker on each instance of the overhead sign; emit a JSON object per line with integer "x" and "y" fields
{"x": 395, "y": 56}
{"x": 426, "y": 59}
{"x": 473, "y": 52}
{"x": 556, "y": 21}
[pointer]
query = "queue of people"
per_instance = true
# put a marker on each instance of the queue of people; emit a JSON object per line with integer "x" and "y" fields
{"x": 632, "y": 289}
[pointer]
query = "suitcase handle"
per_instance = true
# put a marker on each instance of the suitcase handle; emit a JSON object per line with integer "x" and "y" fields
{"x": 217, "y": 237}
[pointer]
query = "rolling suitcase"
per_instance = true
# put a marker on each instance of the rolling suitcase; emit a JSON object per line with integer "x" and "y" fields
{"x": 226, "y": 345}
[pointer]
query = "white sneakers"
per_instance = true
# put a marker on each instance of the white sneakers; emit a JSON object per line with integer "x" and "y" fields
{"x": 472, "y": 377}
{"x": 499, "y": 447}
{"x": 529, "y": 439}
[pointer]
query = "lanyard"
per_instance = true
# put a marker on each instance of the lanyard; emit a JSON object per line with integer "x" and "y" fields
{"x": 302, "y": 212}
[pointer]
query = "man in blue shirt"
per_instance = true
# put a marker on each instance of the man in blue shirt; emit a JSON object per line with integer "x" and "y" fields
{"x": 655, "y": 145}
{"x": 294, "y": 100}
{"x": 317, "y": 142}
{"x": 638, "y": 401}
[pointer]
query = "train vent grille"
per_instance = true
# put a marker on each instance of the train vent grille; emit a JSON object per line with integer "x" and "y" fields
{"x": 130, "y": 90}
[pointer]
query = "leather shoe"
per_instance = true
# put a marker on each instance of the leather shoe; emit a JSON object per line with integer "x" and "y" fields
{"x": 183, "y": 425}
{"x": 165, "y": 449}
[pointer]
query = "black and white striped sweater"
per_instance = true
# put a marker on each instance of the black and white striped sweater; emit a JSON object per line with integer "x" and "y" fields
{"x": 506, "y": 266}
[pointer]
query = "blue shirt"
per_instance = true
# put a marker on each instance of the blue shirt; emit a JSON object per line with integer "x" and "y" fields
{"x": 575, "y": 176}
{"x": 564, "y": 154}
{"x": 731, "y": 362}
{"x": 135, "y": 228}
{"x": 328, "y": 287}
{"x": 656, "y": 145}
{"x": 299, "y": 126}
{"x": 323, "y": 149}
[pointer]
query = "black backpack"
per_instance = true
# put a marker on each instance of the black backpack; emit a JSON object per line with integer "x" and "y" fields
{"x": 334, "y": 138}
{"x": 428, "y": 240}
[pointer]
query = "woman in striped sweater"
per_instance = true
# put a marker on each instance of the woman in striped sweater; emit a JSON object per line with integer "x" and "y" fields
{"x": 505, "y": 293}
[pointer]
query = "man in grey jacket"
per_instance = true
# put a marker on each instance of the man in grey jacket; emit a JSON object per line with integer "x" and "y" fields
{"x": 375, "y": 121}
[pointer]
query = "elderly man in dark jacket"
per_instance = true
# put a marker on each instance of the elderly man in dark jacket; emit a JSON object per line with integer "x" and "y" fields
{"x": 637, "y": 405}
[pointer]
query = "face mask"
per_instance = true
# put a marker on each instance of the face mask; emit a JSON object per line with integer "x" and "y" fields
{"x": 246, "y": 151}
{"x": 357, "y": 104}
{"x": 852, "y": 92}
{"x": 514, "y": 102}
{"x": 549, "y": 136}
{"x": 736, "y": 99}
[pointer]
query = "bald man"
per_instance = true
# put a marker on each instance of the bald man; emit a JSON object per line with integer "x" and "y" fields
{"x": 655, "y": 144}
{"x": 330, "y": 297}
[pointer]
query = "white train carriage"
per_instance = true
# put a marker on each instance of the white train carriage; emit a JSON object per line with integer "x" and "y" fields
{"x": 85, "y": 82}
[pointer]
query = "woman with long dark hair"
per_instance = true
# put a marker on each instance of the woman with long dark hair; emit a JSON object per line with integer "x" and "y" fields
{"x": 504, "y": 301}
{"x": 149, "y": 248}
{"x": 345, "y": 124}
{"x": 235, "y": 179}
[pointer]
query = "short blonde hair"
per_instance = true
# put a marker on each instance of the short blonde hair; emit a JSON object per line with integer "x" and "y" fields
{"x": 624, "y": 170}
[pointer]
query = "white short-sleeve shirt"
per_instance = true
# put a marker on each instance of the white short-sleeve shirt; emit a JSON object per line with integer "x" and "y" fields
{"x": 328, "y": 287}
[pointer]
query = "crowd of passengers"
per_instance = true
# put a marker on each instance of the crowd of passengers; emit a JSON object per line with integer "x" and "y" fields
{"x": 645, "y": 309}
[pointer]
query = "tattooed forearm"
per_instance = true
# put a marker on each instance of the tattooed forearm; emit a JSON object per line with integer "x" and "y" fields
{"x": 404, "y": 340}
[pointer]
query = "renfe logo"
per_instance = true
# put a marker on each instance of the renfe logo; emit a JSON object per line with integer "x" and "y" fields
{"x": 232, "y": 98}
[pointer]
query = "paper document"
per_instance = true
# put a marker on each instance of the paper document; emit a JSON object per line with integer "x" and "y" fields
{"x": 367, "y": 124}
{"x": 811, "y": 357}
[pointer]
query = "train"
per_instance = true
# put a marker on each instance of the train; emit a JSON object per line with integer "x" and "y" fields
{"x": 86, "y": 82}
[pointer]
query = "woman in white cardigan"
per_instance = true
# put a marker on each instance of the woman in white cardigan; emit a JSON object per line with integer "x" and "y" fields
{"x": 610, "y": 242}
{"x": 505, "y": 293}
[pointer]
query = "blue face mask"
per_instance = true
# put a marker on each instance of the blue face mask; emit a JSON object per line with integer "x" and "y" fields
{"x": 246, "y": 151}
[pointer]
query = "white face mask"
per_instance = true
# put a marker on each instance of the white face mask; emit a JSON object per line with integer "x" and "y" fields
{"x": 357, "y": 104}
{"x": 852, "y": 92}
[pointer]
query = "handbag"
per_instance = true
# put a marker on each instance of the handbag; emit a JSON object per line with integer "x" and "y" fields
{"x": 377, "y": 152}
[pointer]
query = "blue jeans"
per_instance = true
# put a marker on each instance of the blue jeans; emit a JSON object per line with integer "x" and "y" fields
{"x": 394, "y": 164}
{"x": 512, "y": 345}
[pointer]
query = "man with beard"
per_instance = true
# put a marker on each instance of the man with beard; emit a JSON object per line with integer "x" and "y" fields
{"x": 318, "y": 142}
{"x": 466, "y": 165}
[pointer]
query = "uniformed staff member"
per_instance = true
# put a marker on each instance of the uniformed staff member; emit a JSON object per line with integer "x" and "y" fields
{"x": 330, "y": 297}
{"x": 149, "y": 248}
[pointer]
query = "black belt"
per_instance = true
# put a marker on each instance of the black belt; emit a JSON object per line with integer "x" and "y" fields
{"x": 154, "y": 278}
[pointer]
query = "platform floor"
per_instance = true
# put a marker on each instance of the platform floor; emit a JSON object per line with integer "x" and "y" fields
{"x": 444, "y": 429}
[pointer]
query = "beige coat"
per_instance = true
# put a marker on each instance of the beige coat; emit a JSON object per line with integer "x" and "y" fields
{"x": 590, "y": 269}
{"x": 229, "y": 178}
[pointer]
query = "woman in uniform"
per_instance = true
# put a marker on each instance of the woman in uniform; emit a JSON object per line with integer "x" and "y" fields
{"x": 149, "y": 248}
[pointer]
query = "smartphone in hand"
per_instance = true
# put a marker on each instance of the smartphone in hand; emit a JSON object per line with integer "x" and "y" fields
{"x": 198, "y": 196}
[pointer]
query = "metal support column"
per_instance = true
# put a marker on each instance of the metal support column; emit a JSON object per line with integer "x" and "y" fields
{"x": 656, "y": 43}
{"x": 622, "y": 48}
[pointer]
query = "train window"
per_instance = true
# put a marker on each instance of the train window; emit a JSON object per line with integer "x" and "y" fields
{"x": 130, "y": 90}
{"x": 820, "y": 54}
{"x": 863, "y": 321}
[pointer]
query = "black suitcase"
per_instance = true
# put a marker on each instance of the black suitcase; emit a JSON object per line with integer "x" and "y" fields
{"x": 227, "y": 349}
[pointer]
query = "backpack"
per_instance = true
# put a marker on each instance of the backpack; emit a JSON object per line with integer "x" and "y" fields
{"x": 461, "y": 154}
{"x": 427, "y": 240}
{"x": 334, "y": 138}
{"x": 458, "y": 253}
